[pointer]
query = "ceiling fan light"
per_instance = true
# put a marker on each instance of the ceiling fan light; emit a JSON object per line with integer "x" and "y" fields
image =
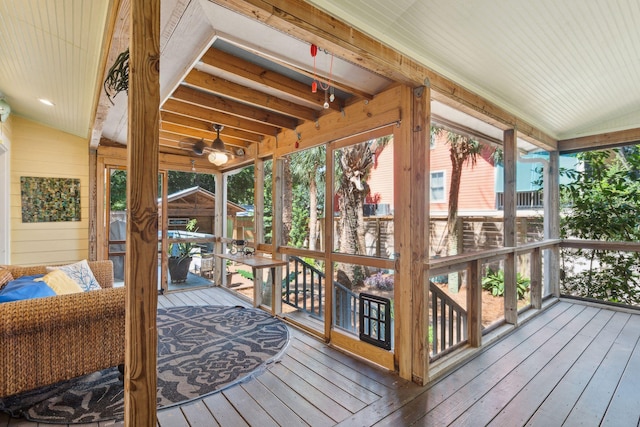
{"x": 218, "y": 158}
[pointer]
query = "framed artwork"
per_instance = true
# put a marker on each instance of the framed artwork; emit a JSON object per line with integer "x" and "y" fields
{"x": 50, "y": 199}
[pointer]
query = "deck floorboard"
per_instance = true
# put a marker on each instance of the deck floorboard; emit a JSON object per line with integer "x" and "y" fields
{"x": 197, "y": 414}
{"x": 244, "y": 404}
{"x": 574, "y": 364}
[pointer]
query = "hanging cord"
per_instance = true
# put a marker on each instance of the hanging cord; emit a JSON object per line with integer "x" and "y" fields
{"x": 330, "y": 73}
{"x": 316, "y": 80}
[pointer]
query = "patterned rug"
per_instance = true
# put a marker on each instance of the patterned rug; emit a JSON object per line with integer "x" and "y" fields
{"x": 201, "y": 350}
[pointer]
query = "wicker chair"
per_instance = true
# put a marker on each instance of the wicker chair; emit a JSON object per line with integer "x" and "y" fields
{"x": 47, "y": 340}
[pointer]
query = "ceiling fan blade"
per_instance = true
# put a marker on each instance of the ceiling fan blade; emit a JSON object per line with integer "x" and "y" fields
{"x": 195, "y": 145}
{"x": 198, "y": 147}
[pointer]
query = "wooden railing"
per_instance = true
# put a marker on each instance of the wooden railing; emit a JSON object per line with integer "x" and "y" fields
{"x": 303, "y": 287}
{"x": 473, "y": 263}
{"x": 448, "y": 329}
{"x": 346, "y": 303}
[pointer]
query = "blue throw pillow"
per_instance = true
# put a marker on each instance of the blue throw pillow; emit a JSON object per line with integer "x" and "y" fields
{"x": 24, "y": 288}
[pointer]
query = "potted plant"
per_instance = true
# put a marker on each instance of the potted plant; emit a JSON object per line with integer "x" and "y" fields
{"x": 180, "y": 256}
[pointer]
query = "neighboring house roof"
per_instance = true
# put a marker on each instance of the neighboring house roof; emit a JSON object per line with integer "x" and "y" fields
{"x": 190, "y": 197}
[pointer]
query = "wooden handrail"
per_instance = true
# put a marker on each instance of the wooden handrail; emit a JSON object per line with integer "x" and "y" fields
{"x": 438, "y": 266}
{"x": 600, "y": 245}
{"x": 448, "y": 323}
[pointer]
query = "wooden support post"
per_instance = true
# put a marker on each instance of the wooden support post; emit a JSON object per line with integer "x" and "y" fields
{"x": 258, "y": 210}
{"x": 102, "y": 247}
{"x": 552, "y": 225}
{"x": 416, "y": 147}
{"x": 510, "y": 292}
{"x": 219, "y": 228}
{"x": 474, "y": 304}
{"x": 141, "y": 274}
{"x": 93, "y": 210}
{"x": 404, "y": 354}
{"x": 164, "y": 220}
{"x": 328, "y": 243}
{"x": 536, "y": 278}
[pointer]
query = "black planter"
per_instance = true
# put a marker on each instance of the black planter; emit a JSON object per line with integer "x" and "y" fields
{"x": 179, "y": 268}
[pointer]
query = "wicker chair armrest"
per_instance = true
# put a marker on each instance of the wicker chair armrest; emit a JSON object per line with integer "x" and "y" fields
{"x": 56, "y": 312}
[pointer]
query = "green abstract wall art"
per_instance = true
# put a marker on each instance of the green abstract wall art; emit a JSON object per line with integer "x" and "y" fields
{"x": 50, "y": 199}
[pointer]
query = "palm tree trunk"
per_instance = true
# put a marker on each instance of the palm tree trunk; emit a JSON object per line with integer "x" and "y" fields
{"x": 313, "y": 212}
{"x": 287, "y": 203}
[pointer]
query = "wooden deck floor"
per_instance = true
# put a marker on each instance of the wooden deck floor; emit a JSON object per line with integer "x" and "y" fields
{"x": 572, "y": 365}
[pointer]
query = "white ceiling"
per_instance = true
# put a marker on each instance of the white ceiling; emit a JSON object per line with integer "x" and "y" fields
{"x": 569, "y": 67}
{"x": 52, "y": 49}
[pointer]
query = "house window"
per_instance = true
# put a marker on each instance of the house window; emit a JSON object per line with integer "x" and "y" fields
{"x": 437, "y": 187}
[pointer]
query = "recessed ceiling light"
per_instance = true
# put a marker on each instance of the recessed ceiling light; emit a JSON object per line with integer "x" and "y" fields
{"x": 46, "y": 102}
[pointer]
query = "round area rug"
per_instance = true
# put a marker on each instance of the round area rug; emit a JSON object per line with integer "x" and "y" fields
{"x": 201, "y": 350}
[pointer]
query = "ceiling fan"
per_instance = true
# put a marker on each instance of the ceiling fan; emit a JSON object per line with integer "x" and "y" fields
{"x": 217, "y": 153}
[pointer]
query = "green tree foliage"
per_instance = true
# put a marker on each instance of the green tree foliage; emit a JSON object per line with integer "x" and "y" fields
{"x": 602, "y": 203}
{"x": 182, "y": 180}
{"x": 118, "y": 190}
{"x": 268, "y": 201}
{"x": 300, "y": 225}
{"x": 307, "y": 168}
{"x": 240, "y": 186}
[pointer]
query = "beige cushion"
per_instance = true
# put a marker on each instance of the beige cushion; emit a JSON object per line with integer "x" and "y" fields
{"x": 61, "y": 283}
{"x": 81, "y": 273}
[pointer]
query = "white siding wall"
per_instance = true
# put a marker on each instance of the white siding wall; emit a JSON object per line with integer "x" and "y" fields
{"x": 41, "y": 151}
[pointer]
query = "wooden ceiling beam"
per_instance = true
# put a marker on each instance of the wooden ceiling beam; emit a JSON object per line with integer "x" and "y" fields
{"x": 358, "y": 93}
{"x": 303, "y": 20}
{"x": 254, "y": 97}
{"x": 229, "y": 106}
{"x": 190, "y": 122}
{"x": 217, "y": 117}
{"x": 600, "y": 141}
{"x": 171, "y": 147}
{"x": 257, "y": 74}
{"x": 184, "y": 131}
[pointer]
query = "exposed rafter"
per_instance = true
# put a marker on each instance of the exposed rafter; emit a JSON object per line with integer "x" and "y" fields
{"x": 218, "y": 103}
{"x": 189, "y": 123}
{"x": 249, "y": 96}
{"x": 265, "y": 78}
{"x": 207, "y": 114}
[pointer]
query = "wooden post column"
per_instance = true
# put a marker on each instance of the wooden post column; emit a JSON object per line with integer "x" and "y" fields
{"x": 552, "y": 225}
{"x": 474, "y": 304}
{"x": 510, "y": 240}
{"x": 411, "y": 142}
{"x": 141, "y": 274}
{"x": 219, "y": 227}
{"x": 419, "y": 213}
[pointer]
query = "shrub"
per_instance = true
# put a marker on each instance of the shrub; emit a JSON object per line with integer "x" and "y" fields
{"x": 494, "y": 283}
{"x": 380, "y": 282}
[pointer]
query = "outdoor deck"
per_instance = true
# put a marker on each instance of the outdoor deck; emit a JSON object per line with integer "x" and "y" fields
{"x": 573, "y": 365}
